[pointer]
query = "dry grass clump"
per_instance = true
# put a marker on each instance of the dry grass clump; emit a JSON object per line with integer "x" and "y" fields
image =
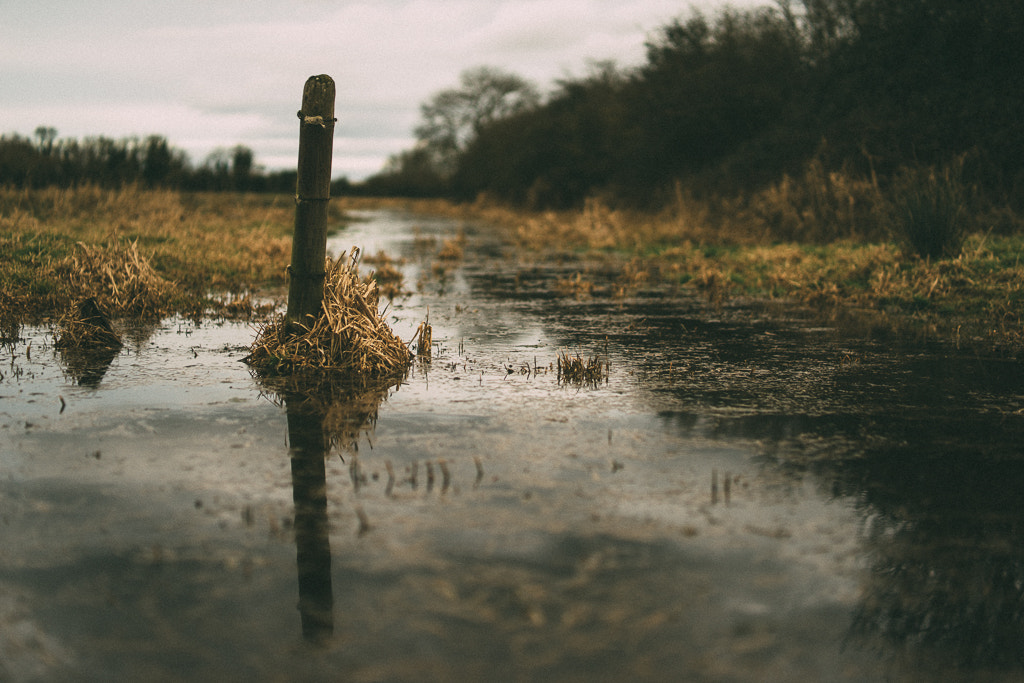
{"x": 87, "y": 343}
{"x": 818, "y": 206}
{"x": 350, "y": 337}
{"x": 633, "y": 276}
{"x": 574, "y": 369}
{"x": 87, "y": 327}
{"x": 44, "y": 275}
{"x": 930, "y": 208}
{"x": 595, "y": 227}
{"x": 117, "y": 277}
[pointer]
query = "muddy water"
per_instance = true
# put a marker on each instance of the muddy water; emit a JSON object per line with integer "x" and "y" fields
{"x": 750, "y": 494}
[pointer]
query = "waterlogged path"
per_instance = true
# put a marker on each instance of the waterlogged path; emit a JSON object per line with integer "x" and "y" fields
{"x": 750, "y": 494}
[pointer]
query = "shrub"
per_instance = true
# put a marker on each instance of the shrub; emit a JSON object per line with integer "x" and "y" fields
{"x": 929, "y": 207}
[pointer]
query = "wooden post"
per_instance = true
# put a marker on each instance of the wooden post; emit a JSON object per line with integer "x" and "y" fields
{"x": 312, "y": 192}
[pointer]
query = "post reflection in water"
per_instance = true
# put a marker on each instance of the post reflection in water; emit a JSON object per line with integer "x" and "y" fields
{"x": 321, "y": 416}
{"x": 309, "y": 446}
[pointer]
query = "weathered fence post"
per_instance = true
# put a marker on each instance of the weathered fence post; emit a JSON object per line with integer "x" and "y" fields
{"x": 312, "y": 192}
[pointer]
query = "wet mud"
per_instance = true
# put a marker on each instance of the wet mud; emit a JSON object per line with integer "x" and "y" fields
{"x": 749, "y": 493}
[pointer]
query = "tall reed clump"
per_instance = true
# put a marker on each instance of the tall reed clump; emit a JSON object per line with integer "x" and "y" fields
{"x": 350, "y": 339}
{"x": 929, "y": 207}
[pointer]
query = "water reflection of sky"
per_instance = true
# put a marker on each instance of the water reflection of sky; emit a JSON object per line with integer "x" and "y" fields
{"x": 868, "y": 528}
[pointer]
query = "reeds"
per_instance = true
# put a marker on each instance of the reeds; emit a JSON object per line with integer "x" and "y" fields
{"x": 574, "y": 369}
{"x": 424, "y": 339}
{"x": 350, "y": 337}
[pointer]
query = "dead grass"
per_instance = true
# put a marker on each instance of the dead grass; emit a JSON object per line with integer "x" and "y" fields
{"x": 87, "y": 327}
{"x": 350, "y": 338}
{"x": 214, "y": 248}
{"x": 118, "y": 277}
{"x": 387, "y": 273}
{"x": 825, "y": 239}
{"x": 578, "y": 286}
{"x": 424, "y": 339}
{"x": 821, "y": 238}
{"x": 452, "y": 250}
{"x": 574, "y": 369}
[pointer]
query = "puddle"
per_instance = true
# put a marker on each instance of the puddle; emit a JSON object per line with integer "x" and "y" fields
{"x": 750, "y": 495}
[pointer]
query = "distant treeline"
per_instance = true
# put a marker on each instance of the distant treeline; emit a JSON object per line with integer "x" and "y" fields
{"x": 729, "y": 103}
{"x": 46, "y": 160}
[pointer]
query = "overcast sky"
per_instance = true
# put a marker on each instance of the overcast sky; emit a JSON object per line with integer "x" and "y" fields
{"x": 216, "y": 73}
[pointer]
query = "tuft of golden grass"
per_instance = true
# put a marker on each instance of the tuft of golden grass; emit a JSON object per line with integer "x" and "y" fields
{"x": 452, "y": 250}
{"x": 349, "y": 338}
{"x": 117, "y": 276}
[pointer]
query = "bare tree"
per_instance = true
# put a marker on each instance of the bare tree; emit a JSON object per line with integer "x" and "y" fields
{"x": 453, "y": 117}
{"x": 47, "y": 137}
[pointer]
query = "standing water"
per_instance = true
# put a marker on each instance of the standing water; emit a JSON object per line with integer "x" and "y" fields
{"x": 743, "y": 493}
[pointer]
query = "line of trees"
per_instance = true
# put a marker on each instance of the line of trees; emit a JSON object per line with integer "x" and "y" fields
{"x": 729, "y": 103}
{"x": 45, "y": 160}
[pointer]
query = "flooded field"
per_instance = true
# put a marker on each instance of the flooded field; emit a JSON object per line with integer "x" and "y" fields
{"x": 748, "y": 493}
